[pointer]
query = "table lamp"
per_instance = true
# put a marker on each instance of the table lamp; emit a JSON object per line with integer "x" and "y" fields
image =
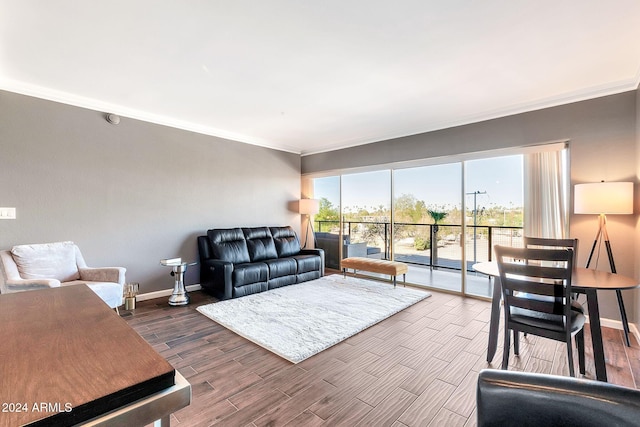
{"x": 602, "y": 198}
{"x": 309, "y": 207}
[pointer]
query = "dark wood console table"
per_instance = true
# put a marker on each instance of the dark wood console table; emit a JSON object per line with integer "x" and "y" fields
{"x": 67, "y": 358}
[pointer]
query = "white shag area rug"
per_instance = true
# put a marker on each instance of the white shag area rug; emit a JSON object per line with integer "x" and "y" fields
{"x": 298, "y": 321}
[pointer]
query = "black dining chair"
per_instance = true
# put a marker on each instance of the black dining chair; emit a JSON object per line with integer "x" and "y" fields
{"x": 573, "y": 243}
{"x": 550, "y": 243}
{"x": 536, "y": 290}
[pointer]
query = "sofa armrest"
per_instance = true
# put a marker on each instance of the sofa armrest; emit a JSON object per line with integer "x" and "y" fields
{"x": 103, "y": 274}
{"x": 316, "y": 251}
{"x": 218, "y": 274}
{"x": 510, "y": 398}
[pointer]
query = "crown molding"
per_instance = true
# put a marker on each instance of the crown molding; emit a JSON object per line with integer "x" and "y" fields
{"x": 96, "y": 105}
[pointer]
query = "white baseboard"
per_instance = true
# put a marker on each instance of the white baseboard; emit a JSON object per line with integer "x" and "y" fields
{"x": 165, "y": 293}
{"x": 617, "y": 324}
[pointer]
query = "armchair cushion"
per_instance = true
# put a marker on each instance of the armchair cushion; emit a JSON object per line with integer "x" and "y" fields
{"x": 48, "y": 260}
{"x": 109, "y": 292}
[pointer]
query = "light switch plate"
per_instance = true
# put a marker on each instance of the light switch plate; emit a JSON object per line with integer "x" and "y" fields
{"x": 7, "y": 213}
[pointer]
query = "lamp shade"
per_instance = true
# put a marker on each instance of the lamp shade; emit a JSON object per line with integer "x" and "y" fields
{"x": 604, "y": 198}
{"x": 309, "y": 206}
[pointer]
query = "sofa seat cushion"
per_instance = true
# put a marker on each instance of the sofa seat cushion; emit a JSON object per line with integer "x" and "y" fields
{"x": 309, "y": 275}
{"x": 47, "y": 261}
{"x": 252, "y": 288}
{"x": 278, "y": 282}
{"x": 547, "y": 321}
{"x": 109, "y": 292}
{"x": 281, "y": 267}
{"x": 307, "y": 263}
{"x": 248, "y": 273}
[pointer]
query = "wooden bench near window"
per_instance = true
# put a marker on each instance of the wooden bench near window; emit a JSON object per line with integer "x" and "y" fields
{"x": 392, "y": 268}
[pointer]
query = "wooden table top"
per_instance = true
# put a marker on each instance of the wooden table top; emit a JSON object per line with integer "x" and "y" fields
{"x": 580, "y": 278}
{"x": 67, "y": 357}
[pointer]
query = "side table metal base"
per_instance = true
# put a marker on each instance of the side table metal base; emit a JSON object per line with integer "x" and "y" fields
{"x": 179, "y": 295}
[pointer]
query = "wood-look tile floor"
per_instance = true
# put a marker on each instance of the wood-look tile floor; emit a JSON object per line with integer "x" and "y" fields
{"x": 416, "y": 368}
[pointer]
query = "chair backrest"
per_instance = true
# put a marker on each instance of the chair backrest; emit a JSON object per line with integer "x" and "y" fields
{"x": 527, "y": 274}
{"x": 544, "y": 243}
{"x": 56, "y": 260}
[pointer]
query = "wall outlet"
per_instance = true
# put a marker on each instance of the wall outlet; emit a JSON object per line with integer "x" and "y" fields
{"x": 7, "y": 213}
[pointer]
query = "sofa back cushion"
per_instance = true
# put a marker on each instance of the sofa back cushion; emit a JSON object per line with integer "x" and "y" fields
{"x": 260, "y": 243}
{"x": 47, "y": 261}
{"x": 228, "y": 244}
{"x": 286, "y": 240}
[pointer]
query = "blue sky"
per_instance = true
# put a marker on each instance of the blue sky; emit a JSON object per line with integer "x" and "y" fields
{"x": 499, "y": 177}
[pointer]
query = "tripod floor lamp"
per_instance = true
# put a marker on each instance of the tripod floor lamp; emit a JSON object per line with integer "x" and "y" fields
{"x": 309, "y": 207}
{"x": 602, "y": 198}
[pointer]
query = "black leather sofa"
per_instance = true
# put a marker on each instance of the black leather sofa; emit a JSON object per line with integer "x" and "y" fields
{"x": 521, "y": 399}
{"x": 235, "y": 262}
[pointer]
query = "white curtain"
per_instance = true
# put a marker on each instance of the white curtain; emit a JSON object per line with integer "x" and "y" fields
{"x": 545, "y": 204}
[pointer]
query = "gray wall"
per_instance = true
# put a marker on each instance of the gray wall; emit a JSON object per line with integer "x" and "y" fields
{"x": 602, "y": 134}
{"x": 132, "y": 194}
{"x": 637, "y": 208}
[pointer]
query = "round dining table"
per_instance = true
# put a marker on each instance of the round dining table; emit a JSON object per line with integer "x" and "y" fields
{"x": 583, "y": 280}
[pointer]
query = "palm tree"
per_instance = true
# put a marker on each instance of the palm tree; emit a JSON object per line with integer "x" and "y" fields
{"x": 437, "y": 216}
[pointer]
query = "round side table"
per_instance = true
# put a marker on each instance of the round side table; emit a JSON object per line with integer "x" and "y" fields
{"x": 179, "y": 295}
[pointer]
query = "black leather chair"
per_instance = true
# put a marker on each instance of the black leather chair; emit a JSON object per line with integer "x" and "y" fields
{"x": 511, "y": 398}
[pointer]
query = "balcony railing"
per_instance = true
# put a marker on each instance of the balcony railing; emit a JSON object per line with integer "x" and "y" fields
{"x": 426, "y": 244}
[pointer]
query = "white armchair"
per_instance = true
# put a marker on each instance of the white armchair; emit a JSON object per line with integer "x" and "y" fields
{"x": 50, "y": 265}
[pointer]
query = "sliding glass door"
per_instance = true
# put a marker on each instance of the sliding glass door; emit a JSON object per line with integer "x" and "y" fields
{"x": 327, "y": 220}
{"x": 494, "y": 211}
{"x": 366, "y": 214}
{"x": 416, "y": 215}
{"x": 428, "y": 224}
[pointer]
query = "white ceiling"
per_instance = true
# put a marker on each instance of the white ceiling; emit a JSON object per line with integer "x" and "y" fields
{"x": 315, "y": 75}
